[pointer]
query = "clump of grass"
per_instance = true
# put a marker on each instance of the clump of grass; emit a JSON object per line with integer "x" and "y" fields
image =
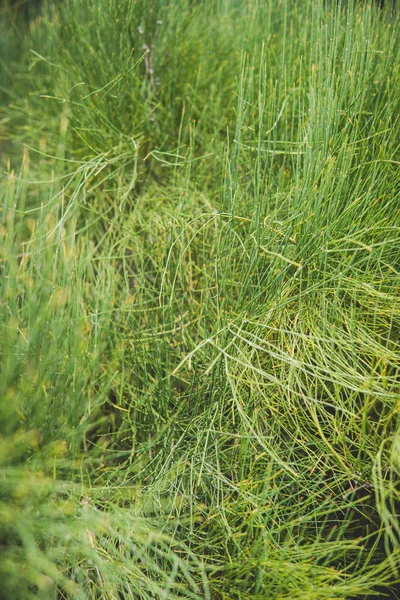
{"x": 200, "y": 306}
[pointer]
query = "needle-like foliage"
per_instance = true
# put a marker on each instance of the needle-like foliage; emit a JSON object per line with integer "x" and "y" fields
{"x": 199, "y": 301}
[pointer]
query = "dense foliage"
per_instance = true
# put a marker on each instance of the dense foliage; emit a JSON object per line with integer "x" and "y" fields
{"x": 199, "y": 304}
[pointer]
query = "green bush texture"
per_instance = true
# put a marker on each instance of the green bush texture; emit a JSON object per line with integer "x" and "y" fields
{"x": 199, "y": 300}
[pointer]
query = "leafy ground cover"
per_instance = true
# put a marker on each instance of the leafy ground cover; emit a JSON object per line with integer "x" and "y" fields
{"x": 200, "y": 316}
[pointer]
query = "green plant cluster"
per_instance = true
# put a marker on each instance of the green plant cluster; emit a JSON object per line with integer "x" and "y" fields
{"x": 199, "y": 301}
